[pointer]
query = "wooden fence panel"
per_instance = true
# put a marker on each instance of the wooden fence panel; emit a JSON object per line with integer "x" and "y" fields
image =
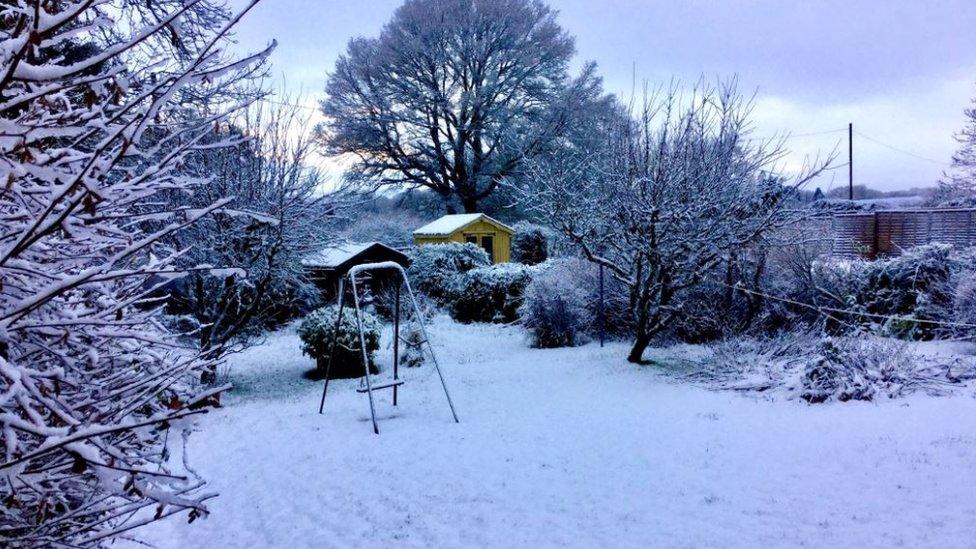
{"x": 886, "y": 233}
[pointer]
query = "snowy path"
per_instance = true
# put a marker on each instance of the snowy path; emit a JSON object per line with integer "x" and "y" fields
{"x": 571, "y": 447}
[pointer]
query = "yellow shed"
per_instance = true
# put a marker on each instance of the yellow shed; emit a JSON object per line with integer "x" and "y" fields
{"x": 492, "y": 235}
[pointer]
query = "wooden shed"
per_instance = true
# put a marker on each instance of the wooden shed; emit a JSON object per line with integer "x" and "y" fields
{"x": 490, "y": 234}
{"x": 328, "y": 265}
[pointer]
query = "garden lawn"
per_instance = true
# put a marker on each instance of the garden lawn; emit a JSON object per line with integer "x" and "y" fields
{"x": 569, "y": 447}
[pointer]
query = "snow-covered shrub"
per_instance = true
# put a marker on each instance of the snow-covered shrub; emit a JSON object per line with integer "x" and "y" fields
{"x": 490, "y": 294}
{"x": 434, "y": 268}
{"x": 964, "y": 299}
{"x": 915, "y": 285}
{"x": 316, "y": 333}
{"x": 555, "y": 309}
{"x": 863, "y": 369}
{"x": 530, "y": 243}
{"x": 411, "y": 347}
{"x": 103, "y": 102}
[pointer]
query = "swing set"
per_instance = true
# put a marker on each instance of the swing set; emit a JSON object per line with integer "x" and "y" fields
{"x": 395, "y": 382}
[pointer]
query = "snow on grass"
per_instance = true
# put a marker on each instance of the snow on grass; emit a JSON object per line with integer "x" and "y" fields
{"x": 569, "y": 447}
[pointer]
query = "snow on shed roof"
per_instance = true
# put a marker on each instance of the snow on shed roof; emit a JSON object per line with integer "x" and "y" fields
{"x": 333, "y": 256}
{"x": 450, "y": 223}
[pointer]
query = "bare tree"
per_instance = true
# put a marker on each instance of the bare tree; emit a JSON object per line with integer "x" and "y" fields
{"x": 661, "y": 198}
{"x": 453, "y": 96}
{"x": 93, "y": 392}
{"x": 960, "y": 181}
{"x": 286, "y": 216}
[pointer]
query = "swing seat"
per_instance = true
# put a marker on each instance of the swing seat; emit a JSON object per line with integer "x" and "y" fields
{"x": 395, "y": 383}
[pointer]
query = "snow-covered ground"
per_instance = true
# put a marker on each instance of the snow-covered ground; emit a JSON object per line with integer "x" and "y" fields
{"x": 570, "y": 447}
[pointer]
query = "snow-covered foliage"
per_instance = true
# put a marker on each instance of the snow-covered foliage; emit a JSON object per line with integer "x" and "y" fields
{"x": 434, "y": 268}
{"x": 393, "y": 227}
{"x": 660, "y": 198}
{"x": 490, "y": 294}
{"x": 317, "y": 330}
{"x": 556, "y": 310}
{"x": 412, "y": 352}
{"x": 908, "y": 296}
{"x": 821, "y": 369}
{"x": 530, "y": 243}
{"x": 915, "y": 284}
{"x": 286, "y": 218}
{"x": 97, "y": 112}
{"x": 457, "y": 95}
{"x": 964, "y": 299}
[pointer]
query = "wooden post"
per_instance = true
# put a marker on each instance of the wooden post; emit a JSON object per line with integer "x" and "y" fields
{"x": 850, "y": 161}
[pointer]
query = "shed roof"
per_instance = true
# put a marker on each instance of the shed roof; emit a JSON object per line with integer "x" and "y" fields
{"x": 339, "y": 254}
{"x": 450, "y": 224}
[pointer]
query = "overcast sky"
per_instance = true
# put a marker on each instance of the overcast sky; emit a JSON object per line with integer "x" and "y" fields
{"x": 901, "y": 70}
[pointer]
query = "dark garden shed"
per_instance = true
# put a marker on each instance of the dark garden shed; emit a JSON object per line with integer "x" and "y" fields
{"x": 328, "y": 265}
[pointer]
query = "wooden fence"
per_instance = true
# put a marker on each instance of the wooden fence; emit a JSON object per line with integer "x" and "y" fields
{"x": 886, "y": 233}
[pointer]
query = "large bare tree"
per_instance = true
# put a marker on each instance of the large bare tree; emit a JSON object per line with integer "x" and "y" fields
{"x": 452, "y": 96}
{"x": 662, "y": 197}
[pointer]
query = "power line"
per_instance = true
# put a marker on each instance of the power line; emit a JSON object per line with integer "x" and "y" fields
{"x": 787, "y": 137}
{"x": 902, "y": 151}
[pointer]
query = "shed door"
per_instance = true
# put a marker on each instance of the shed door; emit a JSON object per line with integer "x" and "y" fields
{"x": 488, "y": 243}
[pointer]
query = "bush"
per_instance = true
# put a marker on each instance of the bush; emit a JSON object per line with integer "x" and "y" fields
{"x": 412, "y": 347}
{"x": 964, "y": 299}
{"x": 434, "y": 268}
{"x": 490, "y": 294}
{"x": 554, "y": 309}
{"x": 919, "y": 285}
{"x": 530, "y": 244}
{"x": 316, "y": 335}
{"x": 915, "y": 284}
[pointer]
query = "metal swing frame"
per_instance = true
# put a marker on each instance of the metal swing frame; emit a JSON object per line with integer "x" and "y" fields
{"x": 351, "y": 275}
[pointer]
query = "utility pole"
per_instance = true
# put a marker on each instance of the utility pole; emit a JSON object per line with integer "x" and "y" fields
{"x": 850, "y": 161}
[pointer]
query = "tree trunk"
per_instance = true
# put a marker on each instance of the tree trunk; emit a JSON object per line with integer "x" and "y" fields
{"x": 636, "y": 355}
{"x": 470, "y": 205}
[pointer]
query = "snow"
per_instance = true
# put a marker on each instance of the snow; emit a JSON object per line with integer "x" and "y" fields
{"x": 334, "y": 256}
{"x": 450, "y": 223}
{"x": 568, "y": 447}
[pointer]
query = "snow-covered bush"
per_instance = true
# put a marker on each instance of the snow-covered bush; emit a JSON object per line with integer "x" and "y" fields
{"x": 964, "y": 299}
{"x": 907, "y": 296}
{"x": 434, "y": 268}
{"x": 102, "y": 102}
{"x": 530, "y": 243}
{"x": 490, "y": 294}
{"x": 316, "y": 332}
{"x": 556, "y": 310}
{"x": 863, "y": 369}
{"x": 916, "y": 285}
{"x": 411, "y": 347}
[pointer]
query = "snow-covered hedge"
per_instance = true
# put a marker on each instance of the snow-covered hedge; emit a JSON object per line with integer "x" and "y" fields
{"x": 434, "y": 268}
{"x": 490, "y": 294}
{"x": 316, "y": 335}
{"x": 530, "y": 243}
{"x": 556, "y": 308}
{"x": 905, "y": 296}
